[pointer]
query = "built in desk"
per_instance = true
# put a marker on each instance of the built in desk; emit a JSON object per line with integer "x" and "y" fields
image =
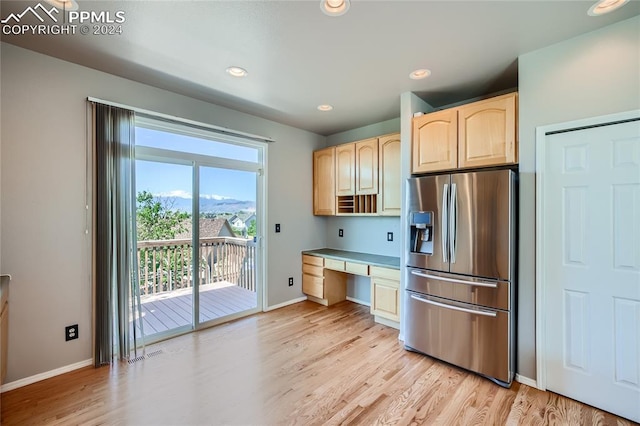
{"x": 324, "y": 280}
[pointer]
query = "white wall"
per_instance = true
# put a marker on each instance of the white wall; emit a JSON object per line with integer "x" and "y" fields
{"x": 591, "y": 75}
{"x": 44, "y": 137}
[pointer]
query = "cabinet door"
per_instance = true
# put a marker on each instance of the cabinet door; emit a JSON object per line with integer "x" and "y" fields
{"x": 390, "y": 198}
{"x": 345, "y": 169}
{"x": 435, "y": 141}
{"x": 385, "y": 298}
{"x": 324, "y": 198}
{"x": 367, "y": 167}
{"x": 487, "y": 132}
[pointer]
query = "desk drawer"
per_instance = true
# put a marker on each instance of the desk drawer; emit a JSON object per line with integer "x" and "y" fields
{"x": 356, "y": 268}
{"x": 313, "y": 286}
{"x": 388, "y": 273}
{"x": 337, "y": 265}
{"x": 312, "y": 260}
{"x": 312, "y": 270}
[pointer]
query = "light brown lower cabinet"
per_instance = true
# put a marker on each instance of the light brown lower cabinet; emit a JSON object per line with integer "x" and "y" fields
{"x": 385, "y": 293}
{"x": 324, "y": 281}
{"x": 322, "y": 285}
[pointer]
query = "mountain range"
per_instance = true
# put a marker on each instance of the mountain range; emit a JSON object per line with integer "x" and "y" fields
{"x": 207, "y": 204}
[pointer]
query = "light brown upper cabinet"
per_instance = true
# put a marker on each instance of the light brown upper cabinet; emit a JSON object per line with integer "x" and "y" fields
{"x": 435, "y": 141}
{"x": 367, "y": 167}
{"x": 346, "y": 169}
{"x": 479, "y": 134}
{"x": 487, "y": 132}
{"x": 365, "y": 176}
{"x": 389, "y": 200}
{"x": 324, "y": 184}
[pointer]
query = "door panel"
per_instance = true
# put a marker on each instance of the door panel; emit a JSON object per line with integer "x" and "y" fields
{"x": 592, "y": 266}
{"x": 483, "y": 224}
{"x": 426, "y": 195}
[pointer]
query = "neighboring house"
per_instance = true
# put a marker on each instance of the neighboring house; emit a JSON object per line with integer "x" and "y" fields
{"x": 236, "y": 222}
{"x": 249, "y": 219}
{"x": 209, "y": 228}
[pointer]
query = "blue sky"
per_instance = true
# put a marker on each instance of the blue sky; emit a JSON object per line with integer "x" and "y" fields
{"x": 174, "y": 179}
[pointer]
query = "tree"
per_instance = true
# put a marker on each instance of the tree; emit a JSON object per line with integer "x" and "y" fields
{"x": 155, "y": 218}
{"x": 159, "y": 266}
{"x": 251, "y": 229}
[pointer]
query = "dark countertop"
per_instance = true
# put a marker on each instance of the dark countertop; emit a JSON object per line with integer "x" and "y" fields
{"x": 354, "y": 256}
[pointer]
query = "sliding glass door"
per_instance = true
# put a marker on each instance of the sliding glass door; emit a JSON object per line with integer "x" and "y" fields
{"x": 163, "y": 229}
{"x": 198, "y": 227}
{"x": 227, "y": 228}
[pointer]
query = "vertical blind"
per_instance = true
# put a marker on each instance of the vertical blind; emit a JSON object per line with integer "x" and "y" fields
{"x": 118, "y": 330}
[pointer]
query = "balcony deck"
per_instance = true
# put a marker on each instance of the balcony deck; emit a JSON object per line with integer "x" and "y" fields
{"x": 168, "y": 310}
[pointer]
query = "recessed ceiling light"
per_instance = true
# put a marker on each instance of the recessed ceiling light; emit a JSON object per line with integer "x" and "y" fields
{"x": 237, "y": 71}
{"x": 420, "y": 74}
{"x": 605, "y": 6}
{"x": 325, "y": 107}
{"x": 335, "y": 7}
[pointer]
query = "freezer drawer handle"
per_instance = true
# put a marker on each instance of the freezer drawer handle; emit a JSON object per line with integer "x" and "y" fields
{"x": 453, "y": 280}
{"x": 454, "y": 308}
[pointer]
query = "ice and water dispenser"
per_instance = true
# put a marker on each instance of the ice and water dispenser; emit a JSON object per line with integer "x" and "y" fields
{"x": 422, "y": 232}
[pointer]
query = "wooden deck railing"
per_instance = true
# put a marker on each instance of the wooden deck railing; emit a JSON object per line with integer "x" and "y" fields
{"x": 167, "y": 265}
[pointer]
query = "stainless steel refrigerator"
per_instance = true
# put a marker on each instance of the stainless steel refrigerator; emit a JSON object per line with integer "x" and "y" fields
{"x": 461, "y": 259}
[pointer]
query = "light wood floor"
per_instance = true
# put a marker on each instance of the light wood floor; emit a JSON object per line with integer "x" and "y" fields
{"x": 303, "y": 364}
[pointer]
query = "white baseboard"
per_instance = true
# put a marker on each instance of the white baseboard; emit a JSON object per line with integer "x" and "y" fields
{"x": 526, "y": 381}
{"x": 358, "y": 301}
{"x": 287, "y": 303}
{"x": 46, "y": 375}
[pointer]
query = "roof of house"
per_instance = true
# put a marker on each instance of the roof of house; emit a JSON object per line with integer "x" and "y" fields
{"x": 209, "y": 228}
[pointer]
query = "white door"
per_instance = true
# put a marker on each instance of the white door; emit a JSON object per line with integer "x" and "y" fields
{"x": 591, "y": 258}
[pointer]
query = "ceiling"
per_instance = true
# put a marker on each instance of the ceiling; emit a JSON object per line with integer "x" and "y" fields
{"x": 297, "y": 57}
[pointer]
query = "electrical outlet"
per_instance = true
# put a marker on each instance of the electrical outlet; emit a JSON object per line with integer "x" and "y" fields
{"x": 277, "y": 227}
{"x": 389, "y": 236}
{"x": 290, "y": 281}
{"x": 71, "y": 332}
{"x": 340, "y": 233}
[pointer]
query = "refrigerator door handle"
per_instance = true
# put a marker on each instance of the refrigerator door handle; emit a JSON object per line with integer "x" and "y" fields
{"x": 453, "y": 280}
{"x": 453, "y": 222}
{"x": 445, "y": 222}
{"x": 455, "y": 308}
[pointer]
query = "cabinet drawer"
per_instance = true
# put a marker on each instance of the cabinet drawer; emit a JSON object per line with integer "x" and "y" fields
{"x": 312, "y": 260}
{"x": 338, "y": 265}
{"x": 313, "y": 286}
{"x": 356, "y": 268}
{"x": 312, "y": 270}
{"x": 391, "y": 274}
